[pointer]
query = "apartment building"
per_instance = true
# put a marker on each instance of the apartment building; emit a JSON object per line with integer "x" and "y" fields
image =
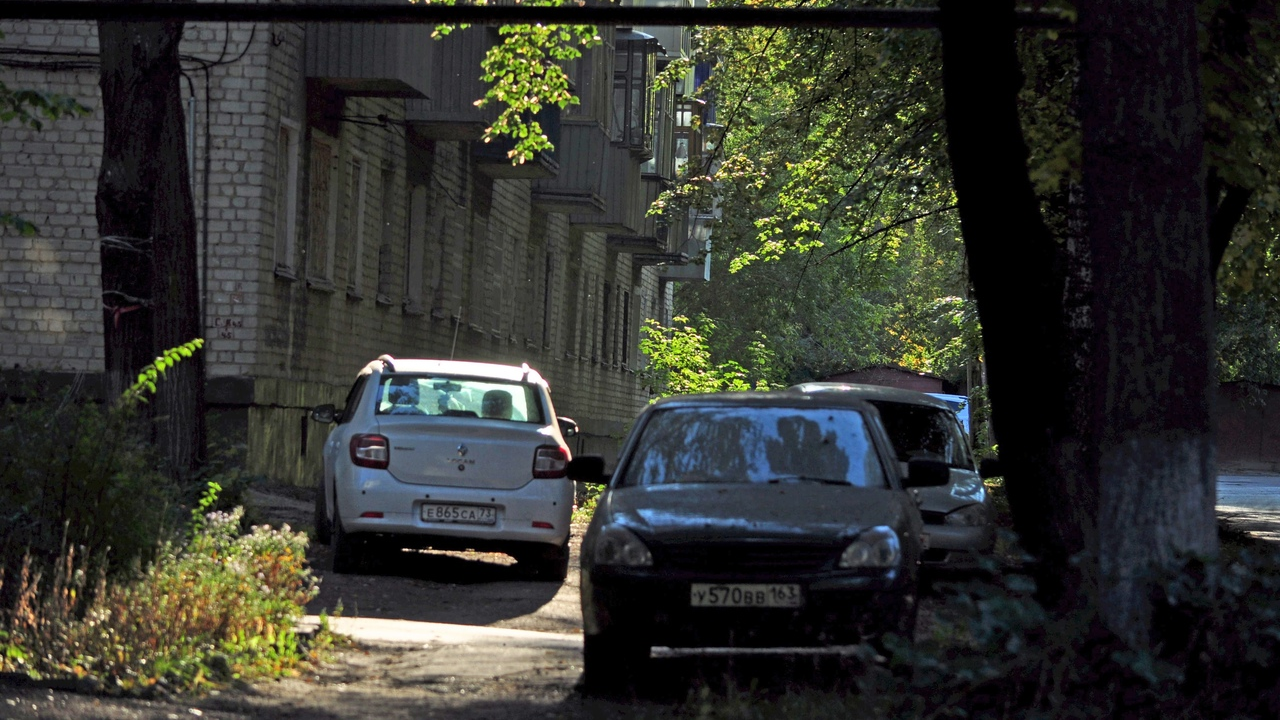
{"x": 347, "y": 208}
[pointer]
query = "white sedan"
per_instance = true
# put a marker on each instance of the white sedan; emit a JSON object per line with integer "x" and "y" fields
{"x": 449, "y": 455}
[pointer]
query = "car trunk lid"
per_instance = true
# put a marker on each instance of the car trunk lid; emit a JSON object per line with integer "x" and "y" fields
{"x": 490, "y": 454}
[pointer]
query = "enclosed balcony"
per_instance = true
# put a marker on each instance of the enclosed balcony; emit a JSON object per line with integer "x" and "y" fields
{"x": 360, "y": 59}
{"x": 579, "y": 186}
{"x": 635, "y": 65}
{"x": 623, "y": 194}
{"x": 494, "y": 158}
{"x": 449, "y": 112}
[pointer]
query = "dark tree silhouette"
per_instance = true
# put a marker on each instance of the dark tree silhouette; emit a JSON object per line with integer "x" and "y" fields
{"x": 146, "y": 219}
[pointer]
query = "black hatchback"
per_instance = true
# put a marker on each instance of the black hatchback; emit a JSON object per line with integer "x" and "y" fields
{"x": 748, "y": 520}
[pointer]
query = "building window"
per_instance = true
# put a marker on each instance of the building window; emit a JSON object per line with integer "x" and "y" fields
{"x": 386, "y": 261}
{"x": 286, "y": 200}
{"x": 635, "y": 60}
{"x": 548, "y": 279}
{"x": 626, "y": 328}
{"x": 417, "y": 242}
{"x": 321, "y": 211}
{"x": 606, "y": 327}
{"x": 353, "y": 209}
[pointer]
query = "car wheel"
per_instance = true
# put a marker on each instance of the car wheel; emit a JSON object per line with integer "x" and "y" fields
{"x": 551, "y": 564}
{"x": 612, "y": 663}
{"x": 324, "y": 530}
{"x": 348, "y": 552}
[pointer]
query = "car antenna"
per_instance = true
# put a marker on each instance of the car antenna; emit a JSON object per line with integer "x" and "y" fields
{"x": 457, "y": 322}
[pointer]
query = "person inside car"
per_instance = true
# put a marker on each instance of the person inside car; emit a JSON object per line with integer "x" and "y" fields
{"x": 496, "y": 404}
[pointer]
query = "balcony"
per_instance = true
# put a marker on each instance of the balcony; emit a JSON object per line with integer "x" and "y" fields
{"x": 492, "y": 158}
{"x": 358, "y": 59}
{"x": 450, "y": 113}
{"x": 579, "y": 186}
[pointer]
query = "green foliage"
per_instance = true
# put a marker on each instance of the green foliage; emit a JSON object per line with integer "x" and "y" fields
{"x": 220, "y": 606}
{"x": 79, "y": 474}
{"x": 989, "y": 650}
{"x": 586, "y": 506}
{"x": 679, "y": 361}
{"x": 837, "y": 217}
{"x": 525, "y": 72}
{"x": 146, "y": 382}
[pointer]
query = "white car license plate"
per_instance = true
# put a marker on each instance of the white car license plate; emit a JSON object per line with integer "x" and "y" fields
{"x": 745, "y": 595}
{"x": 462, "y": 514}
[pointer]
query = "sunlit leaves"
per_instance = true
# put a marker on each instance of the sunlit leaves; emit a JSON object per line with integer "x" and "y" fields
{"x": 525, "y": 71}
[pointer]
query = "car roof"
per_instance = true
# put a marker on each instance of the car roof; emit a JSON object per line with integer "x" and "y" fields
{"x": 497, "y": 371}
{"x": 872, "y": 393}
{"x": 774, "y": 398}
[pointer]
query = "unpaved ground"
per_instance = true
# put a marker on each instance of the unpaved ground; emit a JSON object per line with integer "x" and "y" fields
{"x": 508, "y": 649}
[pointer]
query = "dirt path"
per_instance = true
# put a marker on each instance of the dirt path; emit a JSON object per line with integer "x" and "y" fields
{"x": 461, "y": 635}
{"x": 457, "y": 635}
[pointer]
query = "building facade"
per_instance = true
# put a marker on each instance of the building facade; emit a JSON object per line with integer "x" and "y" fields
{"x": 347, "y": 208}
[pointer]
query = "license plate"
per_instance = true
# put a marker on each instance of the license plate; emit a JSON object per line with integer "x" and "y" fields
{"x": 745, "y": 595}
{"x": 461, "y": 514}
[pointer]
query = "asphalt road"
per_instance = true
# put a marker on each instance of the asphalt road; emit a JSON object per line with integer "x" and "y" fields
{"x": 1251, "y": 503}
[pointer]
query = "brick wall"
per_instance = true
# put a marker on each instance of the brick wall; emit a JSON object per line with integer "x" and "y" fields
{"x": 413, "y": 251}
{"x": 50, "y": 308}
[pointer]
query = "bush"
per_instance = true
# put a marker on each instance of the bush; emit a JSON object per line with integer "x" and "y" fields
{"x": 992, "y": 652}
{"x": 79, "y": 474}
{"x": 218, "y": 605}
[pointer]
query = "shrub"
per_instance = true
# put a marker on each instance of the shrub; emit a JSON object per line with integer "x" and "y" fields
{"x": 77, "y": 473}
{"x": 992, "y": 652}
{"x": 216, "y": 606}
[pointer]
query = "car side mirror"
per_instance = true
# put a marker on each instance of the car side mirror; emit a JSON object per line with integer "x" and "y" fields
{"x": 927, "y": 473}
{"x": 587, "y": 469}
{"x": 323, "y": 413}
{"x": 989, "y": 468}
{"x": 568, "y": 427}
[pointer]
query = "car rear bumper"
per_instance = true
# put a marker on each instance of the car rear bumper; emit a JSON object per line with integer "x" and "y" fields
{"x": 376, "y": 503}
{"x": 837, "y": 610}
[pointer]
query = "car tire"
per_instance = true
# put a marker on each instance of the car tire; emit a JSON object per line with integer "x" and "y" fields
{"x": 612, "y": 663}
{"x": 551, "y": 564}
{"x": 324, "y": 529}
{"x": 348, "y": 552}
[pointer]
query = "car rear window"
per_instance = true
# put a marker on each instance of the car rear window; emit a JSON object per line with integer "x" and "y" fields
{"x": 922, "y": 432}
{"x": 405, "y": 394}
{"x": 754, "y": 445}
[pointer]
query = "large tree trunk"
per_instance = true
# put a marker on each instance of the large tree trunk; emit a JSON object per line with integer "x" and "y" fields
{"x": 1108, "y": 461}
{"x": 146, "y": 218}
{"x": 1142, "y": 119}
{"x": 1019, "y": 280}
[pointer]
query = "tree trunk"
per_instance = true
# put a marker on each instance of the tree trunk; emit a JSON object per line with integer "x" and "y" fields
{"x": 1019, "y": 276}
{"x": 146, "y": 218}
{"x": 1142, "y": 119}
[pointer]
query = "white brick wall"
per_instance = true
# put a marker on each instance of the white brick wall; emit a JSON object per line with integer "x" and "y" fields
{"x": 304, "y": 344}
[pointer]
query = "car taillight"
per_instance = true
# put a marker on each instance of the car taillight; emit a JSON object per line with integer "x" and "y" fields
{"x": 371, "y": 451}
{"x": 550, "y": 461}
